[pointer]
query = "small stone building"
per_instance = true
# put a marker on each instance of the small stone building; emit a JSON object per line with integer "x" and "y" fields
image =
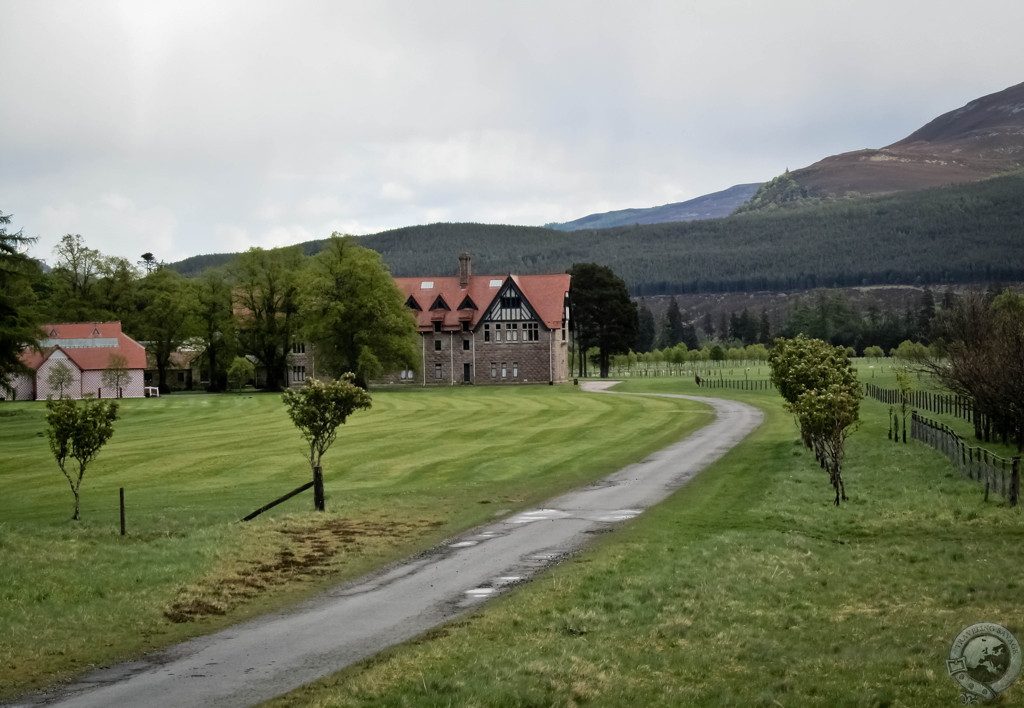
{"x": 489, "y": 329}
{"x": 87, "y": 350}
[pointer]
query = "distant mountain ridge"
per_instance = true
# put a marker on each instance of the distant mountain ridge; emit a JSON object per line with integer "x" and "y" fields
{"x": 966, "y": 233}
{"x": 981, "y": 139}
{"x": 708, "y": 206}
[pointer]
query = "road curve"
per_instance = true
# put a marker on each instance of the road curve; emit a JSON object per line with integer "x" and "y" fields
{"x": 269, "y": 656}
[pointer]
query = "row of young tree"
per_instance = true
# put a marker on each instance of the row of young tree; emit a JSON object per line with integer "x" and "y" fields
{"x": 260, "y": 304}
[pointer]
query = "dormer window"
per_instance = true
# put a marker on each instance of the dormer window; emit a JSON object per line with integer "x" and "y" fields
{"x": 412, "y": 304}
{"x": 95, "y": 331}
{"x": 467, "y": 303}
{"x": 440, "y": 304}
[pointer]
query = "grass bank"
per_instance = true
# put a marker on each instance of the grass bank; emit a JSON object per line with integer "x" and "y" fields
{"x": 421, "y": 465}
{"x": 747, "y": 587}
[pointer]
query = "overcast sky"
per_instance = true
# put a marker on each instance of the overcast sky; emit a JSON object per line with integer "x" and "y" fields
{"x": 197, "y": 127}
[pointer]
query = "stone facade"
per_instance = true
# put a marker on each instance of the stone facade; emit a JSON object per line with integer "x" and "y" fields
{"x": 465, "y": 357}
{"x": 488, "y": 329}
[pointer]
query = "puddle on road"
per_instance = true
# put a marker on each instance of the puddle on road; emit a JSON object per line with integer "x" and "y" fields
{"x": 538, "y": 515}
{"x": 619, "y": 515}
{"x": 476, "y": 593}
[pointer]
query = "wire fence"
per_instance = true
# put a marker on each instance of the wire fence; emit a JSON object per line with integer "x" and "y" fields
{"x": 998, "y": 474}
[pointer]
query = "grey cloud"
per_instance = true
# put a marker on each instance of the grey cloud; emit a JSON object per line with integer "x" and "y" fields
{"x": 213, "y": 125}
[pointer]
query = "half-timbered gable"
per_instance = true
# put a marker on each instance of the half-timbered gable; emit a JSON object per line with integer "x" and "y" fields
{"x": 503, "y": 328}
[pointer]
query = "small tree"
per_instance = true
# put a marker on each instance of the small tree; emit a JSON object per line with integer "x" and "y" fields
{"x": 874, "y": 352}
{"x": 116, "y": 375}
{"x": 78, "y": 429}
{"x": 240, "y": 371}
{"x": 821, "y": 389}
{"x": 319, "y": 408}
{"x": 828, "y": 416}
{"x": 60, "y": 377}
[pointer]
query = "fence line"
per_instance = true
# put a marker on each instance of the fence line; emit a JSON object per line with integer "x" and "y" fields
{"x": 941, "y": 403}
{"x": 738, "y": 384}
{"x": 998, "y": 474}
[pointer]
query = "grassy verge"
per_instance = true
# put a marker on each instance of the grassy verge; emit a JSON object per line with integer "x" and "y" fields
{"x": 421, "y": 465}
{"x": 745, "y": 588}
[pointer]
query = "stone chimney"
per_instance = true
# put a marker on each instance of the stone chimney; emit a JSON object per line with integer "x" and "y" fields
{"x": 464, "y": 269}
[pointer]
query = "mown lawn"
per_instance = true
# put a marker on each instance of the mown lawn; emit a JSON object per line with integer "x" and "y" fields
{"x": 420, "y": 466}
{"x": 745, "y": 588}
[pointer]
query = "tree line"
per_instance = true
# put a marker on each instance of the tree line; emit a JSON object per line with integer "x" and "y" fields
{"x": 259, "y": 304}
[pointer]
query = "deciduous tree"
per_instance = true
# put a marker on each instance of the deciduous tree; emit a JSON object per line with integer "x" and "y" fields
{"x": 980, "y": 346}
{"x": 266, "y": 289}
{"x": 319, "y": 408}
{"x": 215, "y": 324}
{"x": 77, "y": 431}
{"x": 240, "y": 372}
{"x": 167, "y": 305}
{"x": 819, "y": 386}
{"x": 354, "y": 314}
{"x": 60, "y": 377}
{"x": 116, "y": 375}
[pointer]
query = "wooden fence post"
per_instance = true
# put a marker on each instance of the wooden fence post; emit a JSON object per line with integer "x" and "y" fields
{"x": 121, "y": 495}
{"x": 318, "y": 489}
{"x": 1014, "y": 496}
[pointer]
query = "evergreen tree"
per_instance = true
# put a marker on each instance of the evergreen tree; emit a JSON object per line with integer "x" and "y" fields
{"x": 603, "y": 314}
{"x": 925, "y": 315}
{"x": 646, "y": 331}
{"x": 19, "y": 319}
{"x": 707, "y": 325}
{"x": 672, "y": 326}
{"x": 764, "y": 330}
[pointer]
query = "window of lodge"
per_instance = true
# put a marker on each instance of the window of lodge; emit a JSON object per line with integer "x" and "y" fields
{"x": 531, "y": 332}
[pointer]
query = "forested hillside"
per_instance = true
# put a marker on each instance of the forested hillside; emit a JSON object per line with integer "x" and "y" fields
{"x": 964, "y": 233}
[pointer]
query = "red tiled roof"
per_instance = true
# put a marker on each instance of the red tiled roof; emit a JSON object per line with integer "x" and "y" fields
{"x": 88, "y": 358}
{"x": 545, "y": 293}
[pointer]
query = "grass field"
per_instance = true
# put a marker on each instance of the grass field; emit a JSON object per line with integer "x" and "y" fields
{"x": 746, "y": 588}
{"x": 420, "y": 466}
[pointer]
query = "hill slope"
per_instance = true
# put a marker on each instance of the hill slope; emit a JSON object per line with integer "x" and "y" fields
{"x": 979, "y": 140}
{"x": 959, "y": 234}
{"x": 709, "y": 206}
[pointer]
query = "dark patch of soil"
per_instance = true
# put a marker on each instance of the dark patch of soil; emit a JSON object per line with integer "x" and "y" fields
{"x": 298, "y": 551}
